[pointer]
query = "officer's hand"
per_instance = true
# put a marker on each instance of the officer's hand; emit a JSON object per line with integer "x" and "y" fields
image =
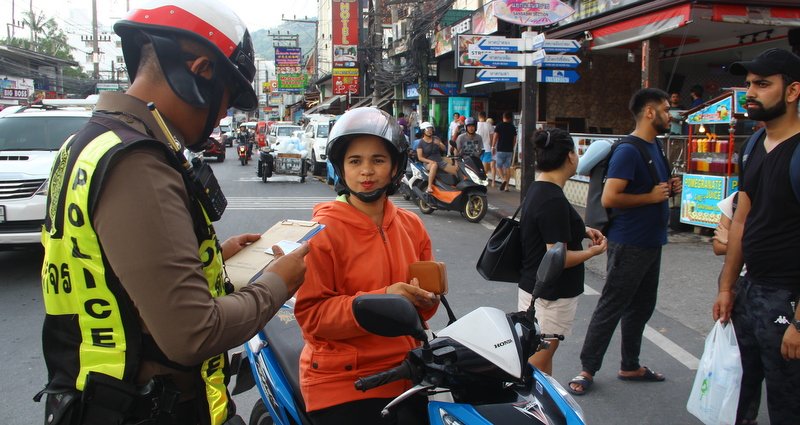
{"x": 421, "y": 298}
{"x": 723, "y": 307}
{"x": 235, "y": 244}
{"x": 790, "y": 346}
{"x": 290, "y": 267}
{"x": 676, "y": 185}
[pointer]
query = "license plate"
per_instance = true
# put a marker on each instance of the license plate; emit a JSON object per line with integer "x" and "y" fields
{"x": 2, "y": 214}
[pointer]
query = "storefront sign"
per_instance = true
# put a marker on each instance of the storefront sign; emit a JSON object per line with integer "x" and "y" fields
{"x": 717, "y": 113}
{"x": 699, "y": 199}
{"x": 532, "y": 12}
{"x": 740, "y": 97}
{"x": 275, "y": 99}
{"x": 291, "y": 82}
{"x": 345, "y": 33}
{"x": 462, "y": 105}
{"x": 461, "y": 27}
{"x": 434, "y": 89}
{"x": 345, "y": 80}
{"x": 587, "y": 9}
{"x": 442, "y": 42}
{"x": 287, "y": 56}
{"x": 501, "y": 75}
{"x": 484, "y": 20}
{"x": 15, "y": 93}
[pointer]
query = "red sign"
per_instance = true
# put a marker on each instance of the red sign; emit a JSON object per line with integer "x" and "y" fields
{"x": 345, "y": 32}
{"x": 345, "y": 80}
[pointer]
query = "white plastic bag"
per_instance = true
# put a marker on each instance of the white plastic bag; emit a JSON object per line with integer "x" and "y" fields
{"x": 715, "y": 393}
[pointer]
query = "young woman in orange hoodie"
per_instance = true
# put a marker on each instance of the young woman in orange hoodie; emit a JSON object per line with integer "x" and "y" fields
{"x": 365, "y": 248}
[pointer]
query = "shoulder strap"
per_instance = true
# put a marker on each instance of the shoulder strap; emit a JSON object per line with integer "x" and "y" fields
{"x": 794, "y": 172}
{"x": 648, "y": 160}
{"x": 749, "y": 146}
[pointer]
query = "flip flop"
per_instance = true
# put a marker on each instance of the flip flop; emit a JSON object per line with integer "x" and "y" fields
{"x": 647, "y": 376}
{"x": 581, "y": 380}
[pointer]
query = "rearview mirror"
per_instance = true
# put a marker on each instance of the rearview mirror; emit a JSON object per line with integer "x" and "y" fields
{"x": 388, "y": 315}
{"x": 550, "y": 268}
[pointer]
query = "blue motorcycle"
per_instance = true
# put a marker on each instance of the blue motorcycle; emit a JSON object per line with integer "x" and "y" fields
{"x": 475, "y": 371}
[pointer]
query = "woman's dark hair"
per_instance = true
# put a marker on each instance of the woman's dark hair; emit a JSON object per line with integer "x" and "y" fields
{"x": 552, "y": 147}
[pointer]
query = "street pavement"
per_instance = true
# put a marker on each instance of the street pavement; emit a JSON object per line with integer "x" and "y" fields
{"x": 673, "y": 343}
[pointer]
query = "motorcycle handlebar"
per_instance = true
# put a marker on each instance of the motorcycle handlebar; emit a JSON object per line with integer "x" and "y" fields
{"x": 382, "y": 378}
{"x": 553, "y": 336}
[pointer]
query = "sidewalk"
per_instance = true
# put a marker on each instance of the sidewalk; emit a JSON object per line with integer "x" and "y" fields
{"x": 689, "y": 268}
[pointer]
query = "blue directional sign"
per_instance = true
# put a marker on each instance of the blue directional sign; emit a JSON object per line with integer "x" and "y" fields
{"x": 560, "y": 76}
{"x": 561, "y": 61}
{"x": 561, "y": 46}
{"x": 502, "y": 75}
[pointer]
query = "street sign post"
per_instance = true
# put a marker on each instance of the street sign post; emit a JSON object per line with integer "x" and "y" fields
{"x": 501, "y": 75}
{"x": 492, "y": 59}
{"x": 561, "y": 46}
{"x": 561, "y": 76}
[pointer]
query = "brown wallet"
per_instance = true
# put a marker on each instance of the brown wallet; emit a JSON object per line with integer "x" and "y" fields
{"x": 432, "y": 276}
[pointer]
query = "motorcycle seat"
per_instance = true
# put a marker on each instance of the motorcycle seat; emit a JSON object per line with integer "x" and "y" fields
{"x": 286, "y": 340}
{"x": 447, "y": 179}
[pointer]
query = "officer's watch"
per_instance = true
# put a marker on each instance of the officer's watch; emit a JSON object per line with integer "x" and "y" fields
{"x": 796, "y": 323}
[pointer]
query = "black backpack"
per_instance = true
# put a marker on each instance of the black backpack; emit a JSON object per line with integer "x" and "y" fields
{"x": 597, "y": 216}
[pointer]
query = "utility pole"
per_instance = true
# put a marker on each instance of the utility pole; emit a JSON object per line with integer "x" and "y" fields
{"x": 528, "y": 118}
{"x": 95, "y": 42}
{"x": 377, "y": 44}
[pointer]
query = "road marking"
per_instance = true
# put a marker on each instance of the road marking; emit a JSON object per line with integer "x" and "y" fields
{"x": 662, "y": 342}
{"x": 487, "y": 225}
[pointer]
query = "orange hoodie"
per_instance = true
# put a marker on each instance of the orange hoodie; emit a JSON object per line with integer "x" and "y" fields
{"x": 352, "y": 257}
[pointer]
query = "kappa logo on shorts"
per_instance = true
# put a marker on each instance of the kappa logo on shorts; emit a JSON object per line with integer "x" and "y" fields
{"x": 781, "y": 320}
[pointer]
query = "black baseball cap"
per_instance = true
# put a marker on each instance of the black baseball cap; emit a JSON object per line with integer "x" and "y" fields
{"x": 770, "y": 62}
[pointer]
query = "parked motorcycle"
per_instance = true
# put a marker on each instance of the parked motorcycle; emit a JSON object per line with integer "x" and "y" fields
{"x": 475, "y": 371}
{"x": 464, "y": 192}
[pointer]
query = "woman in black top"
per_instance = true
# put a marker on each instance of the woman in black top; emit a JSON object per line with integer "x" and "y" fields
{"x": 547, "y": 218}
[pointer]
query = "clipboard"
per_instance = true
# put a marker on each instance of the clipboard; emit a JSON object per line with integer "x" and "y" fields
{"x": 248, "y": 263}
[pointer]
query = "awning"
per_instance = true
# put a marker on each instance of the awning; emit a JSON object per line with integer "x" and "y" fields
{"x": 325, "y": 105}
{"x": 641, "y": 28}
{"x": 776, "y": 16}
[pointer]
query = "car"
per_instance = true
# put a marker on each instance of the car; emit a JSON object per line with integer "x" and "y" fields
{"x": 30, "y": 137}
{"x": 226, "y": 132}
{"x": 215, "y": 147}
{"x": 316, "y": 137}
{"x": 280, "y": 131}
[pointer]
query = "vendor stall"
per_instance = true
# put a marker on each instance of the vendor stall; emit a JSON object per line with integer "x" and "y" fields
{"x": 711, "y": 159}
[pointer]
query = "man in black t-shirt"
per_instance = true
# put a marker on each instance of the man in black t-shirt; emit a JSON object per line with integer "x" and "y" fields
{"x": 503, "y": 146}
{"x": 764, "y": 235}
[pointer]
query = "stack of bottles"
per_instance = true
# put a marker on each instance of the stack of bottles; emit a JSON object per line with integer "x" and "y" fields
{"x": 710, "y": 155}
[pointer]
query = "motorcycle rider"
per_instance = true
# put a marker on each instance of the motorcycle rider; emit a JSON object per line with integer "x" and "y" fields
{"x": 139, "y": 313}
{"x": 245, "y": 139}
{"x": 429, "y": 152}
{"x": 366, "y": 248}
{"x": 469, "y": 145}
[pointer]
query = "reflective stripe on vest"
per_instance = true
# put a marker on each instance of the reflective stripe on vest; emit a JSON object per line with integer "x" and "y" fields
{"x": 75, "y": 281}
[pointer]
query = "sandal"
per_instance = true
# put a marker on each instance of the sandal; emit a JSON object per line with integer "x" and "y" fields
{"x": 584, "y": 381}
{"x": 647, "y": 376}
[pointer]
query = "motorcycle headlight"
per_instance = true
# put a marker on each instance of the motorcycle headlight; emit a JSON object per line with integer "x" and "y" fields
{"x": 448, "y": 419}
{"x": 474, "y": 177}
{"x": 566, "y": 396}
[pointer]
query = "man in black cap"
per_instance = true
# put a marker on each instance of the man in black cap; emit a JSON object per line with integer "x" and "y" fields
{"x": 763, "y": 235}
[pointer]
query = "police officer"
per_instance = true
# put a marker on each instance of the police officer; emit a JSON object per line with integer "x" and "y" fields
{"x": 139, "y": 312}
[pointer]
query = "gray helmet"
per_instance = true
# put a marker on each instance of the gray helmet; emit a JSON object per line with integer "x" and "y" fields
{"x": 374, "y": 122}
{"x": 470, "y": 121}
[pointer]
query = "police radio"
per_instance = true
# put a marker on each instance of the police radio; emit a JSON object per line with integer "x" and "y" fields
{"x": 204, "y": 185}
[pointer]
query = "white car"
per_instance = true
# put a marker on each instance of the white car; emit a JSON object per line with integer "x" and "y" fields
{"x": 29, "y": 141}
{"x": 316, "y": 137}
{"x": 280, "y": 132}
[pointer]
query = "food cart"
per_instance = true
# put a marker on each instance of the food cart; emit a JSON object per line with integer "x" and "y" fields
{"x": 712, "y": 164}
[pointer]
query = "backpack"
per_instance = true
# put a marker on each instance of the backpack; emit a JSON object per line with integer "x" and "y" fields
{"x": 794, "y": 163}
{"x": 597, "y": 216}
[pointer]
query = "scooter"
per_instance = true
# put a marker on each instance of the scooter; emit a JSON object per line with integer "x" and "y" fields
{"x": 464, "y": 192}
{"x": 474, "y": 372}
{"x": 242, "y": 150}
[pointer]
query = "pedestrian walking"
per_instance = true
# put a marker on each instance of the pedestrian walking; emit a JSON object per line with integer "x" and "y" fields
{"x": 762, "y": 236}
{"x": 485, "y": 131}
{"x": 637, "y": 232}
{"x": 504, "y": 144}
{"x": 141, "y": 333}
{"x": 547, "y": 218}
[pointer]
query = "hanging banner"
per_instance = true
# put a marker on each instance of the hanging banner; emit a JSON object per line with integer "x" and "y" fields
{"x": 484, "y": 20}
{"x": 345, "y": 80}
{"x": 345, "y": 33}
{"x": 462, "y": 105}
{"x": 588, "y": 9}
{"x": 740, "y": 97}
{"x": 532, "y": 12}
{"x": 287, "y": 56}
{"x": 717, "y": 113}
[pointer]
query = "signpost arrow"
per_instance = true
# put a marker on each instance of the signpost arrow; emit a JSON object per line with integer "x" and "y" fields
{"x": 502, "y": 75}
{"x": 561, "y": 61}
{"x": 561, "y": 46}
{"x": 511, "y": 59}
{"x": 561, "y": 76}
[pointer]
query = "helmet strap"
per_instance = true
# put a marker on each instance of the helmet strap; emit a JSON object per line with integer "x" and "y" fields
{"x": 370, "y": 197}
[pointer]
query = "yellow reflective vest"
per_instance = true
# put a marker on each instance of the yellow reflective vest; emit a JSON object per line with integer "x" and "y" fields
{"x": 90, "y": 323}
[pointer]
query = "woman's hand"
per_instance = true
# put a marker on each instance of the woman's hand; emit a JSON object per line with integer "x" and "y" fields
{"x": 235, "y": 244}
{"x": 599, "y": 248}
{"x": 595, "y": 235}
{"x": 721, "y": 234}
{"x": 421, "y": 298}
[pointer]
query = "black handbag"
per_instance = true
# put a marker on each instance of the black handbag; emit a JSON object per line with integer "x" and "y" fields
{"x": 501, "y": 259}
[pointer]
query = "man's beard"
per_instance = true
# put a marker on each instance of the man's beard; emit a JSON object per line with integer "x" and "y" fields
{"x": 660, "y": 127}
{"x": 767, "y": 114}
